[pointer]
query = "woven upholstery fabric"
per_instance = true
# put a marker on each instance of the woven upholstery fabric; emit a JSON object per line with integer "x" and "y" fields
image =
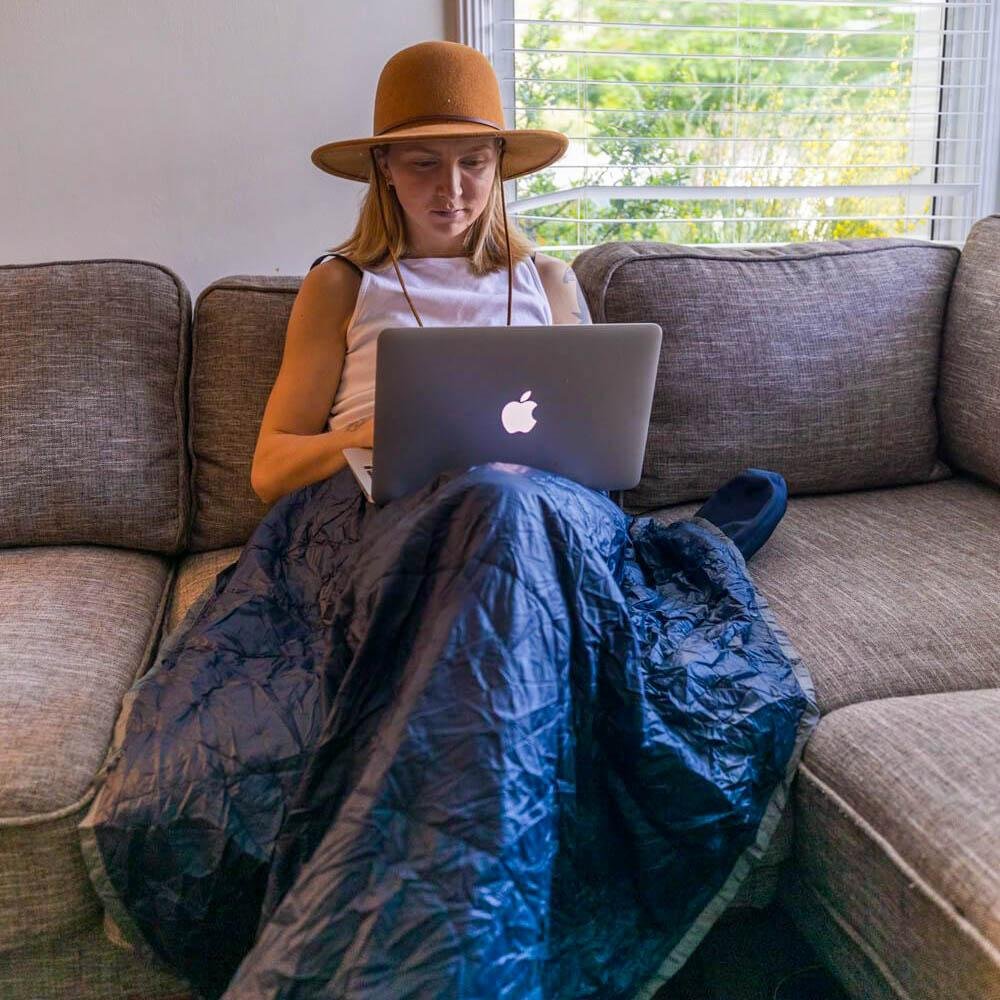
{"x": 835, "y": 942}
{"x": 237, "y": 341}
{"x": 760, "y": 887}
{"x": 93, "y": 356}
{"x": 817, "y": 360}
{"x": 81, "y": 964}
{"x": 887, "y": 592}
{"x": 194, "y": 574}
{"x": 897, "y": 806}
{"x": 44, "y": 888}
{"x": 78, "y": 624}
{"x": 969, "y": 393}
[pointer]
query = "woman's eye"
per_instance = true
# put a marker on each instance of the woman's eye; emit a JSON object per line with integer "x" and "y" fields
{"x": 430, "y": 163}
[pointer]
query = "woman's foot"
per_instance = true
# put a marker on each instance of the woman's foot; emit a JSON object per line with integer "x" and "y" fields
{"x": 748, "y": 507}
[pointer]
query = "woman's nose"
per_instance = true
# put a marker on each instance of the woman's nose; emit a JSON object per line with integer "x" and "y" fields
{"x": 450, "y": 179}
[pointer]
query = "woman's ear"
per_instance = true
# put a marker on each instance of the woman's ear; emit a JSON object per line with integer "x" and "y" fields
{"x": 383, "y": 165}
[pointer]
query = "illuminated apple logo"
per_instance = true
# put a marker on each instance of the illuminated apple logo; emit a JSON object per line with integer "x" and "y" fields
{"x": 516, "y": 415}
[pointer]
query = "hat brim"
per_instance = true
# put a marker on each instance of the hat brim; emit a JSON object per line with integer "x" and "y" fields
{"x": 525, "y": 150}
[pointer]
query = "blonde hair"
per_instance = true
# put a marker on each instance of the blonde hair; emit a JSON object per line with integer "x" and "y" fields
{"x": 377, "y": 230}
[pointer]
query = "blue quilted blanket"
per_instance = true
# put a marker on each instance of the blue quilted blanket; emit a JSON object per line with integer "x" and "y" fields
{"x": 495, "y": 739}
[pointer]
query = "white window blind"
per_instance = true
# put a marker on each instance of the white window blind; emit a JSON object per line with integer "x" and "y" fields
{"x": 749, "y": 121}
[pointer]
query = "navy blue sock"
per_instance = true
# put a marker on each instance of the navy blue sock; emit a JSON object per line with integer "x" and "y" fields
{"x": 748, "y": 507}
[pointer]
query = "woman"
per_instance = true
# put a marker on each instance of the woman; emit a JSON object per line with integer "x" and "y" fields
{"x": 441, "y": 200}
{"x": 434, "y": 210}
{"x": 495, "y": 738}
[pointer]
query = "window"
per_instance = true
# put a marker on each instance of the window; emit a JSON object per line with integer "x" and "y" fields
{"x": 749, "y": 121}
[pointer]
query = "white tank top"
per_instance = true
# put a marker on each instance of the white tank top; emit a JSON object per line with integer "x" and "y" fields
{"x": 445, "y": 292}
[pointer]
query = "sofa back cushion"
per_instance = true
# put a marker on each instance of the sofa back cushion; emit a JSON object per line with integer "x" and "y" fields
{"x": 969, "y": 392}
{"x": 93, "y": 356}
{"x": 817, "y": 360}
{"x": 237, "y": 341}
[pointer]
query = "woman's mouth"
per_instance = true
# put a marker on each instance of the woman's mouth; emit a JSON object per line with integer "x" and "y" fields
{"x": 452, "y": 214}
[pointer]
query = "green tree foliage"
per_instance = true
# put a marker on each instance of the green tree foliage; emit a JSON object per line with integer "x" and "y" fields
{"x": 723, "y": 95}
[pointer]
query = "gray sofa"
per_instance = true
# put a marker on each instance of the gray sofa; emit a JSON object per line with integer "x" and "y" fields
{"x": 866, "y": 371}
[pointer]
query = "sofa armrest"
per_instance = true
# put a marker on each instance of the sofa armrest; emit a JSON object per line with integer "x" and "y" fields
{"x": 969, "y": 380}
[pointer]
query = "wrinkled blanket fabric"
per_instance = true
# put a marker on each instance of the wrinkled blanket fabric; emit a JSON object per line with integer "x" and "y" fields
{"x": 495, "y": 739}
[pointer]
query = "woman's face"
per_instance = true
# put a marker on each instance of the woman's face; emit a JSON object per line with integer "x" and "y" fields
{"x": 443, "y": 186}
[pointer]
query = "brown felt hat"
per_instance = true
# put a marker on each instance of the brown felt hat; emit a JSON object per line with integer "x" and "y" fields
{"x": 436, "y": 90}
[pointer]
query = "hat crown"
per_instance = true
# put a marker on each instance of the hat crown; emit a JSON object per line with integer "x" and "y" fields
{"x": 437, "y": 80}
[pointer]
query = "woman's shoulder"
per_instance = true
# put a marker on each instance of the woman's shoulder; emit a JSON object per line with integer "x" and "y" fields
{"x": 332, "y": 285}
{"x": 339, "y": 262}
{"x": 338, "y": 277}
{"x": 563, "y": 290}
{"x": 550, "y": 267}
{"x": 554, "y": 272}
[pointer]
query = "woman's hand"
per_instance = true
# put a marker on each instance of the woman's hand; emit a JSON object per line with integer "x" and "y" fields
{"x": 363, "y": 433}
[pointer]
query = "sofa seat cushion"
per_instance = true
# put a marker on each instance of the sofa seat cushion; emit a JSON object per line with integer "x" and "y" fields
{"x": 78, "y": 624}
{"x": 887, "y": 592}
{"x": 194, "y": 574}
{"x": 897, "y": 818}
{"x": 81, "y": 964}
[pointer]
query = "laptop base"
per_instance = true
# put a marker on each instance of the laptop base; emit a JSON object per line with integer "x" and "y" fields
{"x": 359, "y": 460}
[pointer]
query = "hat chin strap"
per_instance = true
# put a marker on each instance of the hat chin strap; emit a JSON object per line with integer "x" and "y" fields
{"x": 506, "y": 236}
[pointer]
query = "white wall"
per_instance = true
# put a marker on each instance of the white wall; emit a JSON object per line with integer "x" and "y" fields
{"x": 180, "y": 132}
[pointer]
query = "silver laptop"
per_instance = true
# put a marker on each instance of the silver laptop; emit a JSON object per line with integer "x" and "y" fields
{"x": 574, "y": 400}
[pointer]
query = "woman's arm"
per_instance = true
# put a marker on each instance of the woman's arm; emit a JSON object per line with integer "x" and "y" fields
{"x": 564, "y": 291}
{"x": 293, "y": 449}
